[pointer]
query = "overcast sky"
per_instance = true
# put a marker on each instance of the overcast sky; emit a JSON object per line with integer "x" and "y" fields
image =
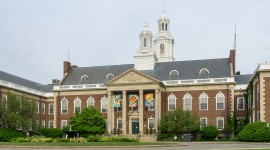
{"x": 36, "y": 35}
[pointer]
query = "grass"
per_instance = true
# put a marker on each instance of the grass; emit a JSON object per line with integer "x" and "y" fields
{"x": 84, "y": 144}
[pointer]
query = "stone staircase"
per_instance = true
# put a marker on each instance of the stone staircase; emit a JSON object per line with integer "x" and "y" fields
{"x": 148, "y": 138}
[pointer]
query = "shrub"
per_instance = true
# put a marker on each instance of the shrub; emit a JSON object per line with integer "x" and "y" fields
{"x": 165, "y": 137}
{"x": 92, "y": 138}
{"x": 51, "y": 132}
{"x": 21, "y": 139}
{"x": 209, "y": 132}
{"x": 41, "y": 139}
{"x": 78, "y": 140}
{"x": 255, "y": 132}
{"x": 6, "y": 135}
{"x": 116, "y": 139}
{"x": 59, "y": 140}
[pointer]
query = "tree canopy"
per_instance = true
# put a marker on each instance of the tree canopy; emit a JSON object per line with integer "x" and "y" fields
{"x": 178, "y": 122}
{"x": 89, "y": 121}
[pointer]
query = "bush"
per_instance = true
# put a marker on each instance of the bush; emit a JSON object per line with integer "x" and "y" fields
{"x": 116, "y": 139}
{"x": 59, "y": 140}
{"x": 42, "y": 139}
{"x": 165, "y": 137}
{"x": 209, "y": 132}
{"x": 51, "y": 132}
{"x": 255, "y": 132}
{"x": 21, "y": 139}
{"x": 6, "y": 135}
{"x": 78, "y": 140}
{"x": 92, "y": 138}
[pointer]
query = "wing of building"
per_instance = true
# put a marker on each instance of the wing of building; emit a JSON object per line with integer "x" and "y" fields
{"x": 152, "y": 86}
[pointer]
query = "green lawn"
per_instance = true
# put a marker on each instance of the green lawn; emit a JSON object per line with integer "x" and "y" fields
{"x": 85, "y": 144}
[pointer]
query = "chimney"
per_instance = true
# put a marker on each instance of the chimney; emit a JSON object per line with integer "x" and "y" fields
{"x": 232, "y": 59}
{"x": 55, "y": 81}
{"x": 67, "y": 67}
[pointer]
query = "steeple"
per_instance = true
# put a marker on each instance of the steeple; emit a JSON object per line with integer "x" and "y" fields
{"x": 145, "y": 58}
{"x": 164, "y": 40}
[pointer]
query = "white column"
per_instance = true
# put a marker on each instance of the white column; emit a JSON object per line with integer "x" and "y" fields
{"x": 141, "y": 112}
{"x": 124, "y": 113}
{"x": 156, "y": 108}
{"x": 109, "y": 113}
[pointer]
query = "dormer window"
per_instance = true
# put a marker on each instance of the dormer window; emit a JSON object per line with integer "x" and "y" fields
{"x": 174, "y": 73}
{"x": 84, "y": 77}
{"x": 204, "y": 73}
{"x": 109, "y": 76}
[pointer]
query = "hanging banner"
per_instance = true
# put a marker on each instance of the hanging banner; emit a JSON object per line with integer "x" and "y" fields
{"x": 116, "y": 100}
{"x": 149, "y": 100}
{"x": 133, "y": 99}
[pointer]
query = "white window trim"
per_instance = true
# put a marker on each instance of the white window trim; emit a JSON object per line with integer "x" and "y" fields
{"x": 220, "y": 118}
{"x": 149, "y": 122}
{"x": 51, "y": 104}
{"x": 200, "y": 102}
{"x": 205, "y": 121}
{"x": 37, "y": 106}
{"x": 118, "y": 122}
{"x": 4, "y": 96}
{"x": 174, "y": 71}
{"x": 50, "y": 123}
{"x": 200, "y": 72}
{"x": 238, "y": 98}
{"x": 109, "y": 75}
{"x": 43, "y": 108}
{"x": 171, "y": 95}
{"x": 184, "y": 102}
{"x": 80, "y": 102}
{"x": 102, "y": 99}
{"x": 43, "y": 123}
{"x": 90, "y": 99}
{"x": 84, "y": 76}
{"x": 62, "y": 122}
{"x": 220, "y": 93}
{"x": 62, "y": 107}
{"x": 150, "y": 109}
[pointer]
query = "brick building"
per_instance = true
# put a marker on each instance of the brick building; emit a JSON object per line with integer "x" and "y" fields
{"x": 133, "y": 97}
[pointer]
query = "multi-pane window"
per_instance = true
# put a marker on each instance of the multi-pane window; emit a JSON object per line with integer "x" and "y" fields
{"x": 77, "y": 105}
{"x": 203, "y": 101}
{"x": 203, "y": 122}
{"x": 43, "y": 108}
{"x": 63, "y": 124}
{"x": 90, "y": 102}
{"x": 240, "y": 103}
{"x": 171, "y": 102}
{"x": 151, "y": 123}
{"x": 151, "y": 108}
{"x": 119, "y": 123}
{"x": 187, "y": 102}
{"x": 64, "y": 106}
{"x": 220, "y": 123}
{"x": 220, "y": 101}
{"x": 50, "y": 108}
{"x": 104, "y": 103}
{"x": 162, "y": 49}
{"x": 37, "y": 107}
{"x": 42, "y": 124}
{"x": 4, "y": 100}
{"x": 50, "y": 124}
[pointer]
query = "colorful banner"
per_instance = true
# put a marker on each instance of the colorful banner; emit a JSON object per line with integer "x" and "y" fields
{"x": 149, "y": 100}
{"x": 133, "y": 99}
{"x": 116, "y": 100}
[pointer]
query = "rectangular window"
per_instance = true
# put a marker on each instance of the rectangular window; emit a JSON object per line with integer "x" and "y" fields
{"x": 203, "y": 104}
{"x": 42, "y": 123}
{"x": 151, "y": 123}
{"x": 50, "y": 124}
{"x": 63, "y": 124}
{"x": 203, "y": 122}
{"x": 4, "y": 100}
{"x": 119, "y": 124}
{"x": 151, "y": 108}
{"x": 220, "y": 123}
{"x": 104, "y": 104}
{"x": 43, "y": 108}
{"x": 240, "y": 103}
{"x": 37, "y": 107}
{"x": 51, "y": 108}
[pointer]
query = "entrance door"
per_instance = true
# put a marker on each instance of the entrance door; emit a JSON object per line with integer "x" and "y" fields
{"x": 135, "y": 127}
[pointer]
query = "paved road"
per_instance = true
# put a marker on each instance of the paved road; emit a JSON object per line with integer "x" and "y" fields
{"x": 181, "y": 146}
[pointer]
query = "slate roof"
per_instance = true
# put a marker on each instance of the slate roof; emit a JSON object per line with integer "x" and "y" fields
{"x": 218, "y": 68}
{"x": 243, "y": 79}
{"x": 24, "y": 82}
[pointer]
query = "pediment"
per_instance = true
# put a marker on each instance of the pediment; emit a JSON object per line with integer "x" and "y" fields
{"x": 132, "y": 76}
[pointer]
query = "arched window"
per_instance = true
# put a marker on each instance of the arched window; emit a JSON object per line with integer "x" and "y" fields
{"x": 162, "y": 26}
{"x": 204, "y": 73}
{"x": 171, "y": 102}
{"x": 166, "y": 27}
{"x": 203, "y": 101}
{"x": 77, "y": 105}
{"x": 84, "y": 77}
{"x": 90, "y": 101}
{"x": 64, "y": 106}
{"x": 104, "y": 103}
{"x": 187, "y": 100}
{"x": 144, "y": 42}
{"x": 174, "y": 73}
{"x": 220, "y": 101}
{"x": 110, "y": 76}
{"x": 162, "y": 49}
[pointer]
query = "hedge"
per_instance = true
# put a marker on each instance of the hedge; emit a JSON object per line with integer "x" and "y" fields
{"x": 209, "y": 132}
{"x": 51, "y": 132}
{"x": 6, "y": 135}
{"x": 255, "y": 132}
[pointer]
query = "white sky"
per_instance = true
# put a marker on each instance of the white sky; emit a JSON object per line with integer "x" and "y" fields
{"x": 36, "y": 35}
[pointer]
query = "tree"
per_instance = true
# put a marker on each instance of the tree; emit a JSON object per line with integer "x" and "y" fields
{"x": 178, "y": 122}
{"x": 17, "y": 112}
{"x": 209, "y": 132}
{"x": 89, "y": 121}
